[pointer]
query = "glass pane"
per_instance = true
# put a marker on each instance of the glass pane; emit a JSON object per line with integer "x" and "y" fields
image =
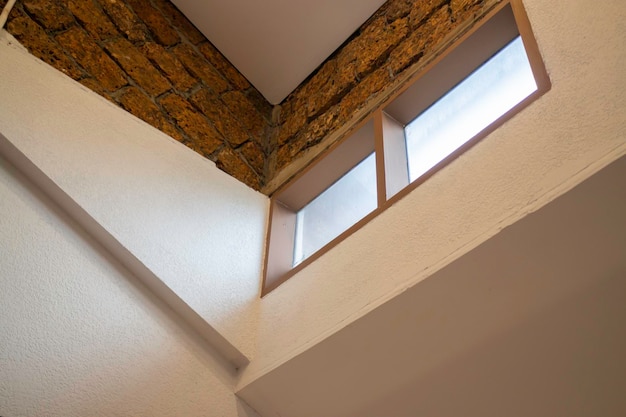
{"x": 489, "y": 92}
{"x": 343, "y": 204}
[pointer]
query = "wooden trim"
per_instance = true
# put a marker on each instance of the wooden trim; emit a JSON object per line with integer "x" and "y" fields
{"x": 395, "y": 155}
{"x": 532, "y": 48}
{"x": 381, "y": 170}
{"x": 388, "y": 149}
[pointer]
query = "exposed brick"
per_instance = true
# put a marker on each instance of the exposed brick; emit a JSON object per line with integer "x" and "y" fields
{"x": 422, "y": 9}
{"x": 239, "y": 104}
{"x": 362, "y": 93}
{"x": 227, "y": 160}
{"x": 311, "y": 135}
{"x": 93, "y": 19}
{"x": 138, "y": 67}
{"x": 260, "y": 103}
{"x": 200, "y": 68}
{"x": 220, "y": 115}
{"x": 254, "y": 155}
{"x": 203, "y": 137}
{"x": 327, "y": 87}
{"x": 126, "y": 21}
{"x": 458, "y": 6}
{"x": 397, "y": 9}
{"x": 94, "y": 85}
{"x": 466, "y": 11}
{"x": 51, "y": 14}
{"x": 35, "y": 39}
{"x": 373, "y": 45}
{"x": 137, "y": 103}
{"x": 159, "y": 27}
{"x": 89, "y": 55}
{"x": 224, "y": 66}
{"x": 293, "y": 116}
{"x": 421, "y": 40}
{"x": 180, "y": 21}
{"x": 170, "y": 65}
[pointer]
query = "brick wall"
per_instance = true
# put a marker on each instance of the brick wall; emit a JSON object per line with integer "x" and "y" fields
{"x": 397, "y": 39}
{"x": 146, "y": 57}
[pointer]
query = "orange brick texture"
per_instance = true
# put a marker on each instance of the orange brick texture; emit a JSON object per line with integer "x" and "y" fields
{"x": 397, "y": 37}
{"x": 146, "y": 57}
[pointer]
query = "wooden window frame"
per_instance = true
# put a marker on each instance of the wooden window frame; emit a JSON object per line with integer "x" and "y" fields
{"x": 383, "y": 132}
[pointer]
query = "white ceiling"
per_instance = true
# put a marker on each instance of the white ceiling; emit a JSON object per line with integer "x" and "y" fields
{"x": 530, "y": 323}
{"x": 276, "y": 44}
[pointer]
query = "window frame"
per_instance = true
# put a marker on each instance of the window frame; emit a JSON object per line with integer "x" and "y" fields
{"x": 382, "y": 133}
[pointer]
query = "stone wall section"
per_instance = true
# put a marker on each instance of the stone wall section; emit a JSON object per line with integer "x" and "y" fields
{"x": 145, "y": 56}
{"x": 396, "y": 39}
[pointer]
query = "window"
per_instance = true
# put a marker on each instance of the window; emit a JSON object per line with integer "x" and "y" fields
{"x": 484, "y": 78}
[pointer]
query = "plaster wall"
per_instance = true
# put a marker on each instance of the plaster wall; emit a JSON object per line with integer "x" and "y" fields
{"x": 567, "y": 135}
{"x": 80, "y": 335}
{"x": 198, "y": 230}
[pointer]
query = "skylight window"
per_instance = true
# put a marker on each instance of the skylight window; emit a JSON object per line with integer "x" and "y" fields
{"x": 488, "y": 75}
{"x": 343, "y": 204}
{"x": 493, "y": 89}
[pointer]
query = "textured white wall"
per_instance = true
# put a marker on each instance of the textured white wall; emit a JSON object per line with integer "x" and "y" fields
{"x": 567, "y": 135}
{"x": 80, "y": 336}
{"x": 197, "y": 229}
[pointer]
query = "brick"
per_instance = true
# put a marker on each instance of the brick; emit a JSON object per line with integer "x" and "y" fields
{"x": 91, "y": 57}
{"x": 50, "y": 14}
{"x": 293, "y": 116}
{"x": 220, "y": 116}
{"x": 202, "y": 136}
{"x": 239, "y": 104}
{"x": 200, "y": 68}
{"x": 93, "y": 19}
{"x": 422, "y": 9}
{"x": 228, "y": 161}
{"x": 327, "y": 87}
{"x": 125, "y": 20}
{"x": 466, "y": 10}
{"x": 138, "y": 67}
{"x": 364, "y": 92}
{"x": 421, "y": 41}
{"x": 94, "y": 85}
{"x": 397, "y": 9}
{"x": 35, "y": 39}
{"x": 373, "y": 45}
{"x": 260, "y": 103}
{"x": 224, "y": 66}
{"x": 254, "y": 155}
{"x": 458, "y": 6}
{"x": 170, "y": 65}
{"x": 140, "y": 105}
{"x": 180, "y": 21}
{"x": 319, "y": 128}
{"x": 159, "y": 27}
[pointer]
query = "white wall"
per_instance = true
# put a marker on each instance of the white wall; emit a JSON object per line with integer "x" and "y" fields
{"x": 171, "y": 212}
{"x": 573, "y": 131}
{"x": 80, "y": 335}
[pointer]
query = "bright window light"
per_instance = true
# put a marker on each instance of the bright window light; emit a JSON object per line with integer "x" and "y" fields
{"x": 343, "y": 204}
{"x": 493, "y": 89}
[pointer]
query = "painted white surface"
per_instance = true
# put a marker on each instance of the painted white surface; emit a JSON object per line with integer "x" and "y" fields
{"x": 573, "y": 131}
{"x": 81, "y": 336}
{"x": 197, "y": 229}
{"x": 276, "y": 44}
{"x": 529, "y": 323}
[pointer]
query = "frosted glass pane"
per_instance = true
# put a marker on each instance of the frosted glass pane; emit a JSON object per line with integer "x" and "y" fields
{"x": 489, "y": 92}
{"x": 343, "y": 204}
